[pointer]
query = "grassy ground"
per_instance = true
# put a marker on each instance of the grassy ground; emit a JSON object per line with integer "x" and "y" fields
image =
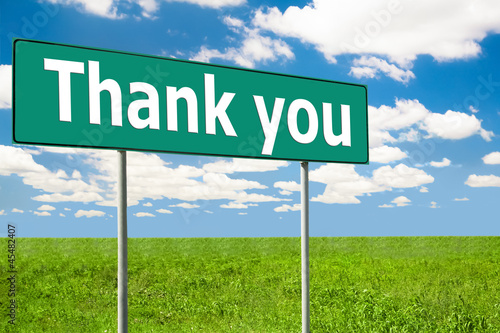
{"x": 397, "y": 284}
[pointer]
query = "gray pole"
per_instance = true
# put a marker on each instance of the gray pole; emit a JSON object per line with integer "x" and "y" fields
{"x": 304, "y": 179}
{"x": 122, "y": 243}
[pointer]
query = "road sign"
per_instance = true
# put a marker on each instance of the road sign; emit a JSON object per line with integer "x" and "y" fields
{"x": 76, "y": 96}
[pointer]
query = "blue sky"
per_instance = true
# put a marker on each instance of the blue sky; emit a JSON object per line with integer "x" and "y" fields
{"x": 433, "y": 76}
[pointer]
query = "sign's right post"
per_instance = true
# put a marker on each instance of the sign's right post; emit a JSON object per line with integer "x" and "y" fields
{"x": 304, "y": 194}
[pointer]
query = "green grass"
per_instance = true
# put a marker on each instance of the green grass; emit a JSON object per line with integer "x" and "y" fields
{"x": 396, "y": 284}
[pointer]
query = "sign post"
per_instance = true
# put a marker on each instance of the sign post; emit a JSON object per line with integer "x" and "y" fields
{"x": 122, "y": 243}
{"x": 74, "y": 96}
{"x": 304, "y": 238}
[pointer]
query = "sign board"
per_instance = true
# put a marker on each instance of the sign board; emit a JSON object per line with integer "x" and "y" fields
{"x": 76, "y": 96}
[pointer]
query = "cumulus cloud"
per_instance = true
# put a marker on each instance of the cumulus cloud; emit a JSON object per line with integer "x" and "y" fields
{"x": 386, "y": 206}
{"x": 5, "y": 86}
{"x": 147, "y": 204}
{"x": 151, "y": 178}
{"x": 15, "y": 210}
{"x": 386, "y": 154}
{"x": 45, "y": 213}
{"x": 401, "y": 176}
{"x": 401, "y": 201}
{"x": 244, "y": 165}
{"x": 290, "y": 186}
{"x": 454, "y": 126}
{"x": 46, "y": 207}
{"x": 483, "y": 181}
{"x": 2, "y": 212}
{"x": 401, "y": 31}
{"x": 109, "y": 8}
{"x": 285, "y": 208}
{"x": 164, "y": 211}
{"x": 104, "y": 8}
{"x": 185, "y": 205}
{"x": 57, "y": 183}
{"x": 344, "y": 184}
{"x": 89, "y": 213}
{"x": 144, "y": 214}
{"x": 413, "y": 117}
{"x": 461, "y": 199}
{"x": 369, "y": 67}
{"x": 234, "y": 205}
{"x": 254, "y": 47}
{"x": 492, "y": 158}
{"x": 444, "y": 163}
{"x": 434, "y": 204}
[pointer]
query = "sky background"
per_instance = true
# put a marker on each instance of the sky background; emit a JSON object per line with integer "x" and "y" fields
{"x": 433, "y": 76}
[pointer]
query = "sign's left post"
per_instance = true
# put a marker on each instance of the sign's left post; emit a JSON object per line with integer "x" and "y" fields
{"x": 122, "y": 243}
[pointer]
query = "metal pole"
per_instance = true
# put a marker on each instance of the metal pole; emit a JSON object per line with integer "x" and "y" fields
{"x": 122, "y": 243}
{"x": 304, "y": 178}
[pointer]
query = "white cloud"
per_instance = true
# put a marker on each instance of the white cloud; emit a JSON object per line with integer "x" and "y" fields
{"x": 233, "y": 22}
{"x": 424, "y": 189}
{"x": 361, "y": 72}
{"x": 244, "y": 165}
{"x": 253, "y": 48}
{"x": 454, "y": 126}
{"x": 62, "y": 188}
{"x": 234, "y": 205}
{"x": 5, "y": 86}
{"x": 62, "y": 215}
{"x": 444, "y": 163}
{"x": 285, "y": 192}
{"x": 383, "y": 119}
{"x": 149, "y": 177}
{"x": 213, "y": 3}
{"x": 411, "y": 116}
{"x": 286, "y": 208}
{"x": 2, "y": 212}
{"x": 208, "y": 212}
{"x": 104, "y": 8}
{"x": 386, "y": 154}
{"x": 89, "y": 213}
{"x": 147, "y": 204}
{"x": 401, "y": 201}
{"x": 446, "y": 30}
{"x": 74, "y": 197}
{"x": 290, "y": 186}
{"x": 343, "y": 184}
{"x": 473, "y": 109}
{"x": 143, "y": 214}
{"x": 370, "y": 66}
{"x": 109, "y": 8}
{"x": 46, "y": 207}
{"x": 241, "y": 213}
{"x": 185, "y": 205}
{"x": 386, "y": 206}
{"x": 492, "y": 158}
{"x": 483, "y": 181}
{"x": 15, "y": 210}
{"x": 461, "y": 199}
{"x": 434, "y": 204}
{"x": 42, "y": 213}
{"x": 164, "y": 211}
{"x": 401, "y": 176}
{"x": 67, "y": 209}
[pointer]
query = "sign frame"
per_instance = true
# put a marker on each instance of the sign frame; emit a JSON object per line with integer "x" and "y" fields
{"x": 82, "y": 144}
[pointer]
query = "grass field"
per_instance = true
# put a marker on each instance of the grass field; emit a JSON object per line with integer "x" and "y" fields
{"x": 381, "y": 284}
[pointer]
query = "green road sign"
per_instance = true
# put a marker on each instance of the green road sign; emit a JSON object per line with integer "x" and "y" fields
{"x": 86, "y": 97}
